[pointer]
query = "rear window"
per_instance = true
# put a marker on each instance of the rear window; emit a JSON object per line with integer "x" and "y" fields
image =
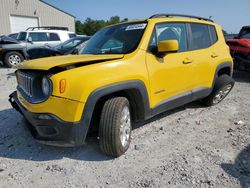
{"x": 200, "y": 37}
{"x": 38, "y": 37}
{"x": 53, "y": 37}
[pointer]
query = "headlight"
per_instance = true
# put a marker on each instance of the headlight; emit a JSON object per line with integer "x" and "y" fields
{"x": 46, "y": 86}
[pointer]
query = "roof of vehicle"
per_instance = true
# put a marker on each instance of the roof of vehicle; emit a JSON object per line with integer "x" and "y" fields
{"x": 173, "y": 17}
{"x": 180, "y": 18}
{"x": 179, "y": 15}
{"x": 49, "y": 31}
{"x": 246, "y": 27}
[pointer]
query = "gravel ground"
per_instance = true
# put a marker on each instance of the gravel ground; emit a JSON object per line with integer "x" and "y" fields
{"x": 192, "y": 146}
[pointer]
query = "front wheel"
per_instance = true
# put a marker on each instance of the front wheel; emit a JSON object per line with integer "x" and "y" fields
{"x": 222, "y": 88}
{"x": 12, "y": 59}
{"x": 115, "y": 127}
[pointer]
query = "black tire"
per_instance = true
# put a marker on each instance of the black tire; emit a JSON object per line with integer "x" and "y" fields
{"x": 10, "y": 62}
{"x": 223, "y": 86}
{"x": 110, "y": 127}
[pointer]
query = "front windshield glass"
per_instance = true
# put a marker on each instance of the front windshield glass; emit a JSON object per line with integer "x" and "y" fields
{"x": 245, "y": 34}
{"x": 22, "y": 36}
{"x": 118, "y": 39}
{"x": 69, "y": 44}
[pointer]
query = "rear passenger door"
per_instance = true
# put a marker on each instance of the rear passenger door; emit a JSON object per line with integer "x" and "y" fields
{"x": 202, "y": 37}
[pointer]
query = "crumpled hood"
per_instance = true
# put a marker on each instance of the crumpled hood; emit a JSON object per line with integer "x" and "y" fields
{"x": 8, "y": 40}
{"x": 62, "y": 61}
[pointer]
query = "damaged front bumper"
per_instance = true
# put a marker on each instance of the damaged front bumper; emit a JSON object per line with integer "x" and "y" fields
{"x": 49, "y": 129}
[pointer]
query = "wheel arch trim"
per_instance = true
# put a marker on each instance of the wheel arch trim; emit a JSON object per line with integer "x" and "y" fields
{"x": 220, "y": 67}
{"x": 97, "y": 94}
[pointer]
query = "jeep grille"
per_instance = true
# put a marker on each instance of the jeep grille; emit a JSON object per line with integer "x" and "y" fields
{"x": 25, "y": 83}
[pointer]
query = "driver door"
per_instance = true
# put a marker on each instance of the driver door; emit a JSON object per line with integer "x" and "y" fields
{"x": 170, "y": 76}
{"x": 37, "y": 39}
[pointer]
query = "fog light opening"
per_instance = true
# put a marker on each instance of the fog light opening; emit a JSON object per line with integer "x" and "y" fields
{"x": 44, "y": 116}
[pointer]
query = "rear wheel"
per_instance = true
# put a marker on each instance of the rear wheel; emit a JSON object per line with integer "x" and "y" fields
{"x": 222, "y": 88}
{"x": 12, "y": 59}
{"x": 115, "y": 127}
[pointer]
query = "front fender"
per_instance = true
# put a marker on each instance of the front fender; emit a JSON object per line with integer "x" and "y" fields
{"x": 133, "y": 85}
{"x": 97, "y": 94}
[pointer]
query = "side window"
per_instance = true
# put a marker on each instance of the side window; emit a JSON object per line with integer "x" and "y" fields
{"x": 169, "y": 31}
{"x": 200, "y": 37}
{"x": 38, "y": 37}
{"x": 72, "y": 35}
{"x": 71, "y": 44}
{"x": 53, "y": 37}
{"x": 213, "y": 34}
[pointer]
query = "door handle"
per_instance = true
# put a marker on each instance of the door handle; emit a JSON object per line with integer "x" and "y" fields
{"x": 187, "y": 61}
{"x": 214, "y": 55}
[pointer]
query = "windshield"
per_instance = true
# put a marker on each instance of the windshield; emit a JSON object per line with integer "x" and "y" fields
{"x": 245, "y": 34}
{"x": 22, "y": 36}
{"x": 69, "y": 44}
{"x": 118, "y": 39}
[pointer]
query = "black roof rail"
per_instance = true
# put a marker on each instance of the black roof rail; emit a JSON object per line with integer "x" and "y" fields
{"x": 179, "y": 15}
{"x": 47, "y": 28}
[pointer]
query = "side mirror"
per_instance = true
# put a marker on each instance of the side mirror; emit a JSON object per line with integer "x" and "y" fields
{"x": 29, "y": 39}
{"x": 168, "y": 46}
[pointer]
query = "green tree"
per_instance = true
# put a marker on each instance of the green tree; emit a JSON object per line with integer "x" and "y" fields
{"x": 125, "y": 20}
{"x": 90, "y": 26}
{"x": 113, "y": 20}
{"x": 79, "y": 27}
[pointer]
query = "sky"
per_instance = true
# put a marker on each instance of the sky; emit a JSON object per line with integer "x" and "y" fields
{"x": 230, "y": 14}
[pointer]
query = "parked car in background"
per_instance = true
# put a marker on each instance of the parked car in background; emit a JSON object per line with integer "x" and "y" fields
{"x": 40, "y": 36}
{"x": 127, "y": 73}
{"x": 230, "y": 36}
{"x": 71, "y": 46}
{"x": 82, "y": 36}
{"x": 14, "y": 51}
{"x": 13, "y": 35}
{"x": 72, "y": 35}
{"x": 240, "y": 49}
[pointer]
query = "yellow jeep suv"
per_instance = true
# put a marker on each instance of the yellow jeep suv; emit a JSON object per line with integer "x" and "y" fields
{"x": 126, "y": 73}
